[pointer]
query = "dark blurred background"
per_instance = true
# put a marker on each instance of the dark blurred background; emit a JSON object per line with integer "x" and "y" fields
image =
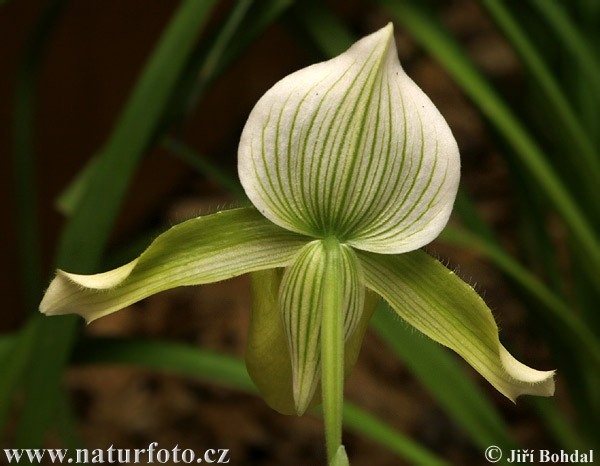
{"x": 90, "y": 65}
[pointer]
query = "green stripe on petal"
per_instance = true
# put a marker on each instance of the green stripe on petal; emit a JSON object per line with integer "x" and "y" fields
{"x": 201, "y": 250}
{"x": 435, "y": 301}
{"x": 300, "y": 301}
{"x": 352, "y": 148}
{"x": 267, "y": 354}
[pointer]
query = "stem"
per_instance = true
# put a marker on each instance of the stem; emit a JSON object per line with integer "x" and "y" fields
{"x": 332, "y": 347}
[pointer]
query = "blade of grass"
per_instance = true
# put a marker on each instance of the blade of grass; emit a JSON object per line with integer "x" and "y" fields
{"x": 23, "y": 160}
{"x": 570, "y": 357}
{"x": 7, "y": 342}
{"x": 259, "y": 18}
{"x": 323, "y": 28}
{"x": 124, "y": 148}
{"x": 457, "y": 395}
{"x": 555, "y": 306}
{"x": 202, "y": 165}
{"x": 555, "y": 423}
{"x": 66, "y": 423}
{"x": 585, "y": 154}
{"x": 434, "y": 36}
{"x": 230, "y": 371}
{"x": 14, "y": 360}
{"x": 467, "y": 211}
{"x": 66, "y": 201}
{"x": 205, "y": 66}
{"x": 201, "y": 68}
{"x": 570, "y": 36}
{"x": 166, "y": 356}
{"x": 367, "y": 425}
{"x": 85, "y": 235}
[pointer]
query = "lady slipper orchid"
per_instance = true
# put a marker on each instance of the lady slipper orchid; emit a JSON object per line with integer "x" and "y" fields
{"x": 351, "y": 169}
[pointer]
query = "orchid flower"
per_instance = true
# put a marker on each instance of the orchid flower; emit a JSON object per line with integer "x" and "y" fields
{"x": 351, "y": 169}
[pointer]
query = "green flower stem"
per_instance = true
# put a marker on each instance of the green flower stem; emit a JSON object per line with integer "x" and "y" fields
{"x": 332, "y": 347}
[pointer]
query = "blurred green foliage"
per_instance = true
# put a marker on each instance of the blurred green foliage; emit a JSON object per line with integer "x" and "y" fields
{"x": 548, "y": 138}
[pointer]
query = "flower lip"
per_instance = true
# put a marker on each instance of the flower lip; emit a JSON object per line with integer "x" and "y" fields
{"x": 352, "y": 148}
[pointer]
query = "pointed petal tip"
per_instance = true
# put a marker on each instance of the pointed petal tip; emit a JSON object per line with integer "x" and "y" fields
{"x": 54, "y": 302}
{"x": 528, "y": 381}
{"x": 372, "y": 197}
{"x": 389, "y": 28}
{"x": 50, "y": 304}
{"x": 302, "y": 400}
{"x": 430, "y": 300}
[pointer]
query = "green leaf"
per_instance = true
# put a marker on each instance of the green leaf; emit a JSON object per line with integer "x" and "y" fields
{"x": 557, "y": 424}
{"x": 201, "y": 250}
{"x": 211, "y": 170}
{"x": 86, "y": 233}
{"x": 571, "y": 38}
{"x": 66, "y": 423}
{"x": 364, "y": 423}
{"x": 439, "y": 304}
{"x": 166, "y": 356}
{"x": 205, "y": 65}
{"x": 584, "y": 153}
{"x": 14, "y": 353}
{"x": 23, "y": 152}
{"x": 463, "y": 401}
{"x": 14, "y": 360}
{"x": 67, "y": 200}
{"x": 555, "y": 308}
{"x": 120, "y": 155}
{"x": 324, "y": 153}
{"x": 215, "y": 367}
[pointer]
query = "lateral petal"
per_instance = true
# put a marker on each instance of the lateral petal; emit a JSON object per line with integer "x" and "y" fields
{"x": 201, "y": 250}
{"x": 436, "y": 302}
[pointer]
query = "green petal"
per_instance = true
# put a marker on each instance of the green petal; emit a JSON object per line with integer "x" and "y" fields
{"x": 435, "y": 301}
{"x": 340, "y": 458}
{"x": 300, "y": 300}
{"x": 352, "y": 148}
{"x": 201, "y": 250}
{"x": 267, "y": 355}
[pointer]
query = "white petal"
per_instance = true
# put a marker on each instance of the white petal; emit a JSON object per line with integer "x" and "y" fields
{"x": 351, "y": 147}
